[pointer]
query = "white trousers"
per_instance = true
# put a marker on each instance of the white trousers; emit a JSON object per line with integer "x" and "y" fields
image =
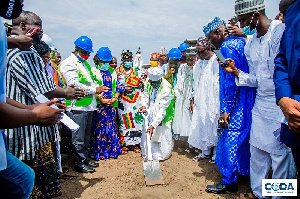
{"x": 283, "y": 167}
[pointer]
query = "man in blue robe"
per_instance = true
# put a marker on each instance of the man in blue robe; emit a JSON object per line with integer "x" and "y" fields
{"x": 286, "y": 78}
{"x": 233, "y": 149}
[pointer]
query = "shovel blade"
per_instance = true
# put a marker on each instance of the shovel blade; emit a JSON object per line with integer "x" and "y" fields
{"x": 152, "y": 171}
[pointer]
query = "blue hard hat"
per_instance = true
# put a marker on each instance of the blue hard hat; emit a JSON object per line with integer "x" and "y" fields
{"x": 174, "y": 53}
{"x": 183, "y": 47}
{"x": 84, "y": 43}
{"x": 104, "y": 54}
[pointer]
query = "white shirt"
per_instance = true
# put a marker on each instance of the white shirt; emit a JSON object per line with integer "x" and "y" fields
{"x": 69, "y": 70}
{"x": 266, "y": 115}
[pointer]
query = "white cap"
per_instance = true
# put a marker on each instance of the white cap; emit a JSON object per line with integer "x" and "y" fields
{"x": 191, "y": 51}
{"x": 48, "y": 41}
{"x": 248, "y": 6}
{"x": 155, "y": 73}
{"x": 163, "y": 50}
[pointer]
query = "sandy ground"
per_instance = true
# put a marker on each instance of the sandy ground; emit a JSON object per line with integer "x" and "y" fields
{"x": 124, "y": 178}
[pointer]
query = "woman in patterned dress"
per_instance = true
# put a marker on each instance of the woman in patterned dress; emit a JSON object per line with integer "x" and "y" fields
{"x": 105, "y": 142}
{"x": 130, "y": 120}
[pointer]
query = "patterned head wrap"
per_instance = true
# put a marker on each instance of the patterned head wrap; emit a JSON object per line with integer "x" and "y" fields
{"x": 126, "y": 55}
{"x": 213, "y": 24}
{"x": 248, "y": 6}
{"x": 203, "y": 42}
{"x": 154, "y": 54}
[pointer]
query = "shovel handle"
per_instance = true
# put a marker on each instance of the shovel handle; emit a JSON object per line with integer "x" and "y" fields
{"x": 149, "y": 147}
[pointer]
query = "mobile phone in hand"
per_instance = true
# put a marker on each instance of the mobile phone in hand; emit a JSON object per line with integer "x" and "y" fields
{"x": 220, "y": 56}
{"x": 31, "y": 31}
{"x": 233, "y": 20}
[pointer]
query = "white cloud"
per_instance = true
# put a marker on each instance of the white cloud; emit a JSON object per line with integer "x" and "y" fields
{"x": 121, "y": 24}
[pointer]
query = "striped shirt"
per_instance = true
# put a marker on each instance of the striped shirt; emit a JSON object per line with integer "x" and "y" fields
{"x": 26, "y": 78}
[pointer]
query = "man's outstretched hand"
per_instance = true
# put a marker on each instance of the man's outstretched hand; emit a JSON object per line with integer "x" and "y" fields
{"x": 46, "y": 115}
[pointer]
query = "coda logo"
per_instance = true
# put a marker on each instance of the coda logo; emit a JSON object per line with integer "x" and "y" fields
{"x": 279, "y": 187}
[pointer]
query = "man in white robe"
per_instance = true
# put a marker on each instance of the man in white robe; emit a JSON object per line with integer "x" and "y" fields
{"x": 158, "y": 105}
{"x": 183, "y": 117}
{"x": 205, "y": 103}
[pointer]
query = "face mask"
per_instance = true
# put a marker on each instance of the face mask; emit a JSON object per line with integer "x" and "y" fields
{"x": 85, "y": 57}
{"x": 247, "y": 30}
{"x": 154, "y": 63}
{"x": 11, "y": 10}
{"x": 128, "y": 64}
{"x": 104, "y": 66}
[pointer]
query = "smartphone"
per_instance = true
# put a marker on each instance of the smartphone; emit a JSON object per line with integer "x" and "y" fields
{"x": 220, "y": 56}
{"x": 31, "y": 31}
{"x": 233, "y": 20}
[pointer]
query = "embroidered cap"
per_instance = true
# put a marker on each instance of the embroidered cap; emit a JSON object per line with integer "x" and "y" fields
{"x": 163, "y": 50}
{"x": 248, "y": 6}
{"x": 126, "y": 54}
{"x": 216, "y": 22}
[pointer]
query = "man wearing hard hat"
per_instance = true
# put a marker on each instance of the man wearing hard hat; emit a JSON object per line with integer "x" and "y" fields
{"x": 174, "y": 56}
{"x": 77, "y": 71}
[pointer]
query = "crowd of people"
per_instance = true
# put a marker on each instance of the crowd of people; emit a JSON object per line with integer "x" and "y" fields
{"x": 241, "y": 113}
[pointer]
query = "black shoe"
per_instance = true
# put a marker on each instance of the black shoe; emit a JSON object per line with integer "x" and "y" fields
{"x": 221, "y": 188}
{"x": 83, "y": 169}
{"x": 92, "y": 164}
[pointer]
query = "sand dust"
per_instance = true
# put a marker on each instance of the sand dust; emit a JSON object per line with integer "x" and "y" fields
{"x": 124, "y": 178}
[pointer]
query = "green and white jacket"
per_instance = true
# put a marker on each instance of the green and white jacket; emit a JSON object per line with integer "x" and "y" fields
{"x": 163, "y": 109}
{"x": 80, "y": 74}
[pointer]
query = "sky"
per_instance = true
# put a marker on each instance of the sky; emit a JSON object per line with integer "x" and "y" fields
{"x": 129, "y": 24}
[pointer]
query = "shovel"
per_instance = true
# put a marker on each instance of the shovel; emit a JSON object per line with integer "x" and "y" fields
{"x": 152, "y": 171}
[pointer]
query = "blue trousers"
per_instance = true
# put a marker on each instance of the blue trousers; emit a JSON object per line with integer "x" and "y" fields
{"x": 17, "y": 180}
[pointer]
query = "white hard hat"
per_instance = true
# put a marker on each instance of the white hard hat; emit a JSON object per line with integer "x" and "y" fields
{"x": 48, "y": 41}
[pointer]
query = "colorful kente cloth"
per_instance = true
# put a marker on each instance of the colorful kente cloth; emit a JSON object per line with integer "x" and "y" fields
{"x": 130, "y": 120}
{"x": 233, "y": 149}
{"x": 47, "y": 184}
{"x": 105, "y": 142}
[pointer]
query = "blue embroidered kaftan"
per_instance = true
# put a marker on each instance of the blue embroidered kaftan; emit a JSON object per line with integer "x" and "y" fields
{"x": 233, "y": 149}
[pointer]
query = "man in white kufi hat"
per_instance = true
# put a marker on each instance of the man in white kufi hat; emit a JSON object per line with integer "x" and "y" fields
{"x": 158, "y": 106}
